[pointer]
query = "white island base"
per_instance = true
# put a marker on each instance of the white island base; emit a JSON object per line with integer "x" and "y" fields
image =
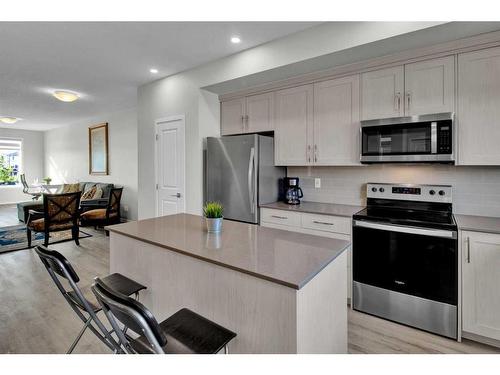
{"x": 268, "y": 317}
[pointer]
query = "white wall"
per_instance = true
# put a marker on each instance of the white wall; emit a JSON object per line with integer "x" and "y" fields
{"x": 476, "y": 190}
{"x": 181, "y": 94}
{"x": 32, "y": 158}
{"x": 67, "y": 155}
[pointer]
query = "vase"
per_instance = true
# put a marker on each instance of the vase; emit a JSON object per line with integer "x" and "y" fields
{"x": 214, "y": 225}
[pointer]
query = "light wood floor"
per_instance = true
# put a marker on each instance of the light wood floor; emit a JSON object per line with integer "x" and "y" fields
{"x": 34, "y": 317}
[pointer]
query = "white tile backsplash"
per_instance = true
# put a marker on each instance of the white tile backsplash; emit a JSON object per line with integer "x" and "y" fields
{"x": 476, "y": 190}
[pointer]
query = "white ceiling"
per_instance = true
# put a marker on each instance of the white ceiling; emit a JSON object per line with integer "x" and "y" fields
{"x": 106, "y": 62}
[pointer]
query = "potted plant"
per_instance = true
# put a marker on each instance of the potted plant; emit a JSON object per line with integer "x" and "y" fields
{"x": 213, "y": 216}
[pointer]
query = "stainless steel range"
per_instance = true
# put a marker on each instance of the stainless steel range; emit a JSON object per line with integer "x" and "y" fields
{"x": 405, "y": 257}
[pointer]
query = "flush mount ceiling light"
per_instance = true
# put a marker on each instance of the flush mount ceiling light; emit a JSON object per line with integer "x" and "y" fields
{"x": 235, "y": 40}
{"x": 65, "y": 96}
{"x": 9, "y": 120}
{"x": 153, "y": 70}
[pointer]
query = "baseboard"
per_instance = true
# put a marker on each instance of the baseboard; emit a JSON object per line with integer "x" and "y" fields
{"x": 481, "y": 339}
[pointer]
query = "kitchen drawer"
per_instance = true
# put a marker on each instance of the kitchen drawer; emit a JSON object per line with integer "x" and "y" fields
{"x": 327, "y": 223}
{"x": 280, "y": 217}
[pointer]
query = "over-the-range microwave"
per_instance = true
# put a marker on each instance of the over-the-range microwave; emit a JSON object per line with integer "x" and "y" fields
{"x": 424, "y": 139}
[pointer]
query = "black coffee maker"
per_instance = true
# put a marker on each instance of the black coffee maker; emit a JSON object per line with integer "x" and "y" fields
{"x": 293, "y": 192}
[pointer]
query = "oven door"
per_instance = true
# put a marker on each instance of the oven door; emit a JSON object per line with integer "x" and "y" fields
{"x": 420, "y": 262}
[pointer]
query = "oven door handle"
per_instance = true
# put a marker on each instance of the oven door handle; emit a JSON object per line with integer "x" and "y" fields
{"x": 410, "y": 230}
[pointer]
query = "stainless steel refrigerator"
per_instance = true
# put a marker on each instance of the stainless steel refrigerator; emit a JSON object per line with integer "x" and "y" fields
{"x": 240, "y": 173}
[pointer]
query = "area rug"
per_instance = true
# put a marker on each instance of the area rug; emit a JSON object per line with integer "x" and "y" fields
{"x": 14, "y": 238}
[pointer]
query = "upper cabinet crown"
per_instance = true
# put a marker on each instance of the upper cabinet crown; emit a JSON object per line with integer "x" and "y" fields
{"x": 479, "y": 107}
{"x": 413, "y": 89}
{"x": 250, "y": 114}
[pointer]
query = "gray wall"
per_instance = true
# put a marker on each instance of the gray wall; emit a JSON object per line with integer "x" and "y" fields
{"x": 33, "y": 166}
{"x": 476, "y": 190}
{"x": 67, "y": 155}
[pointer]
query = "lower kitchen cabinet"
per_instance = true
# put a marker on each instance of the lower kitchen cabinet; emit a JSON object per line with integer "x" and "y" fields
{"x": 481, "y": 285}
{"x": 339, "y": 227}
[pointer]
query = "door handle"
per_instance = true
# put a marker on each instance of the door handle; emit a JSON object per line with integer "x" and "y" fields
{"x": 406, "y": 229}
{"x": 315, "y": 153}
{"x": 408, "y": 100}
{"x": 322, "y": 222}
{"x": 468, "y": 249}
{"x": 251, "y": 164}
{"x": 397, "y": 101}
{"x": 178, "y": 195}
{"x": 308, "y": 153}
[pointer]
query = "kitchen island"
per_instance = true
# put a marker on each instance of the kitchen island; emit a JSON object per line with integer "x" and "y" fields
{"x": 281, "y": 292}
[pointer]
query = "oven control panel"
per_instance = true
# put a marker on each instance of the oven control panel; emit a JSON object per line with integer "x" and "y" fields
{"x": 410, "y": 192}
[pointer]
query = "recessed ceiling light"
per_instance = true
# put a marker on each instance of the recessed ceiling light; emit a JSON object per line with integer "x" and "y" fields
{"x": 9, "y": 120}
{"x": 235, "y": 40}
{"x": 153, "y": 70}
{"x": 65, "y": 96}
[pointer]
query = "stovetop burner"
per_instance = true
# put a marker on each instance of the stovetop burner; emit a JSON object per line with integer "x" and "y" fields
{"x": 419, "y": 218}
{"x": 410, "y": 205}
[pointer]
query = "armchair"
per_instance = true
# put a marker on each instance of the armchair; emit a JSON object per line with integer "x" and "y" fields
{"x": 60, "y": 212}
{"x": 104, "y": 216}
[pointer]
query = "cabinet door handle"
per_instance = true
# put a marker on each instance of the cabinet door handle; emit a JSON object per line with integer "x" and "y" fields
{"x": 279, "y": 217}
{"x": 308, "y": 153}
{"x": 397, "y": 101}
{"x": 243, "y": 122}
{"x": 468, "y": 249}
{"x": 315, "y": 153}
{"x": 408, "y": 100}
{"x": 322, "y": 222}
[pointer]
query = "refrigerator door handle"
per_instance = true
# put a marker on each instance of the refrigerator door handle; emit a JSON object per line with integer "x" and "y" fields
{"x": 251, "y": 165}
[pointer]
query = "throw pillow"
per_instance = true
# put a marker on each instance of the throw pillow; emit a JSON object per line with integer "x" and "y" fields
{"x": 70, "y": 188}
{"x": 89, "y": 194}
{"x": 98, "y": 192}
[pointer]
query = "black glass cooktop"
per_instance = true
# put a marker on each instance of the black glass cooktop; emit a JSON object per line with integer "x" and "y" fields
{"x": 409, "y": 217}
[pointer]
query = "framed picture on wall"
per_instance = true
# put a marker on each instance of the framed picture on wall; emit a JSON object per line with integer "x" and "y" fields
{"x": 98, "y": 149}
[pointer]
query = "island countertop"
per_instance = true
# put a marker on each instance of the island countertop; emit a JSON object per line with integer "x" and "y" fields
{"x": 287, "y": 258}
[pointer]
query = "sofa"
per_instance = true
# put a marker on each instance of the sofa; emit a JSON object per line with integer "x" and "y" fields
{"x": 24, "y": 207}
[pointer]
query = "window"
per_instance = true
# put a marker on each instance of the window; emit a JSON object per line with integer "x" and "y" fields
{"x": 10, "y": 161}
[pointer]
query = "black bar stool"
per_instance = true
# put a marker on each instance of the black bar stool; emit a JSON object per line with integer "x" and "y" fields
{"x": 82, "y": 301}
{"x": 185, "y": 332}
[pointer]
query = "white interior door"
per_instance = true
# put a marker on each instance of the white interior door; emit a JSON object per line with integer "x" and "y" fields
{"x": 170, "y": 166}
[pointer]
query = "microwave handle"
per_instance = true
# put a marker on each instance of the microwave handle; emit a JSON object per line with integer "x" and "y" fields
{"x": 434, "y": 137}
{"x": 404, "y": 229}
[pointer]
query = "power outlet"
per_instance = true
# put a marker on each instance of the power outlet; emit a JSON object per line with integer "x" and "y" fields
{"x": 125, "y": 208}
{"x": 317, "y": 183}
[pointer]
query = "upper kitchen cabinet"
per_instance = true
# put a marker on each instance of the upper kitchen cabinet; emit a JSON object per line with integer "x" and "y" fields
{"x": 233, "y": 116}
{"x": 259, "y": 113}
{"x": 293, "y": 123}
{"x": 251, "y": 114}
{"x": 430, "y": 86}
{"x": 336, "y": 122}
{"x": 382, "y": 93}
{"x": 479, "y": 107}
{"x": 419, "y": 88}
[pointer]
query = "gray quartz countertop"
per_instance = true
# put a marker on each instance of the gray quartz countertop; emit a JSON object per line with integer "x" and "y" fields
{"x": 283, "y": 257}
{"x": 316, "y": 208}
{"x": 478, "y": 223}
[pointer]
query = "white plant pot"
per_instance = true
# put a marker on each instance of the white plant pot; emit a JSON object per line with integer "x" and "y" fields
{"x": 214, "y": 225}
